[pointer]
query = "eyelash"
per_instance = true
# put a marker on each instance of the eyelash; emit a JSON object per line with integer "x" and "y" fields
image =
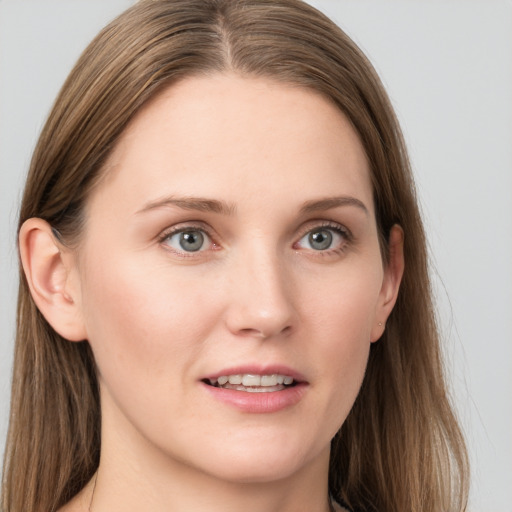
{"x": 326, "y": 225}
{"x": 339, "y": 229}
{"x": 166, "y": 235}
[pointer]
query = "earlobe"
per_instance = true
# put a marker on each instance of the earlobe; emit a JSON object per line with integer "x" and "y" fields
{"x": 391, "y": 282}
{"x": 48, "y": 269}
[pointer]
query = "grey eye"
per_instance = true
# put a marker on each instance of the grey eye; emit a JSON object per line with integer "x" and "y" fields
{"x": 191, "y": 240}
{"x": 320, "y": 240}
{"x": 323, "y": 238}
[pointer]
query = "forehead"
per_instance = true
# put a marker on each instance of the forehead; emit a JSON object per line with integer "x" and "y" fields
{"x": 231, "y": 136}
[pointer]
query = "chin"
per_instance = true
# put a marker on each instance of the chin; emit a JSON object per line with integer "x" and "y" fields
{"x": 257, "y": 472}
{"x": 261, "y": 461}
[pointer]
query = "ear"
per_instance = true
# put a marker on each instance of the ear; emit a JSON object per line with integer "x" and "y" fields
{"x": 391, "y": 281}
{"x": 52, "y": 277}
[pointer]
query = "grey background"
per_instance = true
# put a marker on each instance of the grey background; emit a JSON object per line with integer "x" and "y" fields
{"x": 448, "y": 68}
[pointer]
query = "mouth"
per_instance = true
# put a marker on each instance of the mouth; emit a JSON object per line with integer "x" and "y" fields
{"x": 253, "y": 383}
{"x": 257, "y": 389}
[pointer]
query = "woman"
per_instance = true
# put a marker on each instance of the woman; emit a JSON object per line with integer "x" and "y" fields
{"x": 225, "y": 302}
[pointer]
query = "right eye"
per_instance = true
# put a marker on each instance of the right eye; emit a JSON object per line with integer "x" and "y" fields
{"x": 188, "y": 240}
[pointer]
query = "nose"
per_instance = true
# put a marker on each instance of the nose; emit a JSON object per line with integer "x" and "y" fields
{"x": 260, "y": 297}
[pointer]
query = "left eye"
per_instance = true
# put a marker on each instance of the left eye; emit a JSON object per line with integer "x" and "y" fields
{"x": 322, "y": 239}
{"x": 190, "y": 240}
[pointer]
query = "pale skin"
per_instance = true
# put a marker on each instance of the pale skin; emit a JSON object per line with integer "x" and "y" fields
{"x": 282, "y": 267}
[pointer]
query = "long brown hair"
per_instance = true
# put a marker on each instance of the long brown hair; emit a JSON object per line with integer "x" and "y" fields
{"x": 400, "y": 448}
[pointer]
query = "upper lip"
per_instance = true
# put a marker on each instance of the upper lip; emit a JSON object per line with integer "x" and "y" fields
{"x": 257, "y": 370}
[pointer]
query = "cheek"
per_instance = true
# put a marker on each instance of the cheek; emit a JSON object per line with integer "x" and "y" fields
{"x": 343, "y": 341}
{"x": 140, "y": 318}
{"x": 341, "y": 319}
{"x": 343, "y": 305}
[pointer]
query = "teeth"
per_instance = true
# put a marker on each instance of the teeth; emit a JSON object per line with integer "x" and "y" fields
{"x": 252, "y": 380}
{"x": 260, "y": 389}
{"x": 235, "y": 379}
{"x": 269, "y": 380}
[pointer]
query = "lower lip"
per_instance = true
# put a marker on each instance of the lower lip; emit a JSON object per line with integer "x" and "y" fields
{"x": 259, "y": 403}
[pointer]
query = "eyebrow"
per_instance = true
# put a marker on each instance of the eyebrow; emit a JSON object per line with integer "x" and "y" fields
{"x": 191, "y": 203}
{"x": 328, "y": 203}
{"x": 215, "y": 206}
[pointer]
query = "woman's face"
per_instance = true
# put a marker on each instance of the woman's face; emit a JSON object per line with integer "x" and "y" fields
{"x": 232, "y": 239}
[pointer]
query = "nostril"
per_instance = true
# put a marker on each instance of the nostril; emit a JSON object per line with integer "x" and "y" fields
{"x": 261, "y": 333}
{"x": 252, "y": 332}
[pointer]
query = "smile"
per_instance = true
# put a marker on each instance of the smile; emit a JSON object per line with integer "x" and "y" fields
{"x": 257, "y": 389}
{"x": 252, "y": 383}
